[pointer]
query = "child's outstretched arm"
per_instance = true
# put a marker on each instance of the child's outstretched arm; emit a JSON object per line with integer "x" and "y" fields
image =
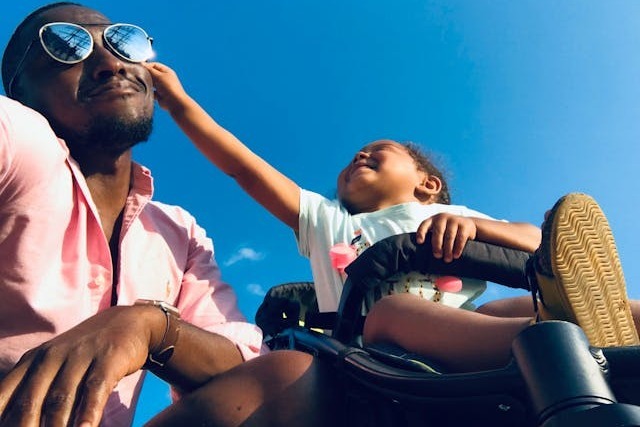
{"x": 273, "y": 190}
{"x": 450, "y": 233}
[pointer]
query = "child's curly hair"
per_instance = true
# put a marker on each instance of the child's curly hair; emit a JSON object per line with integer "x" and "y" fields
{"x": 425, "y": 164}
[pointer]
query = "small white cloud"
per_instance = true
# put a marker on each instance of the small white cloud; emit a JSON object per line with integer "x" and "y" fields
{"x": 242, "y": 254}
{"x": 256, "y": 289}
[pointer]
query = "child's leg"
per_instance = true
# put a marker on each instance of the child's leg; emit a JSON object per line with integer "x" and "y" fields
{"x": 579, "y": 276}
{"x": 522, "y": 307}
{"x": 459, "y": 340}
{"x": 635, "y": 312}
{"x": 508, "y": 307}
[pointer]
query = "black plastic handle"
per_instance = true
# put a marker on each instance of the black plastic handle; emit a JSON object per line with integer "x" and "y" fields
{"x": 401, "y": 253}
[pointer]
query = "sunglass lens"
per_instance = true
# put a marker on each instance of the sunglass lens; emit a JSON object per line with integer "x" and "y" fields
{"x": 66, "y": 42}
{"x": 129, "y": 41}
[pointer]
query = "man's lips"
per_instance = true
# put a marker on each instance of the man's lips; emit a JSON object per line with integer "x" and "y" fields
{"x": 113, "y": 88}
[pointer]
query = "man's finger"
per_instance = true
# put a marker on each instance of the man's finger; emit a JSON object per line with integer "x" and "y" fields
{"x": 10, "y": 384}
{"x": 30, "y": 380}
{"x": 63, "y": 394}
{"x": 98, "y": 385}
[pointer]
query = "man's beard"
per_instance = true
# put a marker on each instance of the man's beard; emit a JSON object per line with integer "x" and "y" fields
{"x": 109, "y": 136}
{"x": 115, "y": 136}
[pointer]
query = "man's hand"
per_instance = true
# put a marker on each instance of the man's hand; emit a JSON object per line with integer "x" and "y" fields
{"x": 449, "y": 234}
{"x": 67, "y": 380}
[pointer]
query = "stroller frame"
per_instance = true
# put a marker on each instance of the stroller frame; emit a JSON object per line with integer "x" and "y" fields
{"x": 555, "y": 378}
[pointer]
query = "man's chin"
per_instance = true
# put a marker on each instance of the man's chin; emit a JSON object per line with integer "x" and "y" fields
{"x": 121, "y": 132}
{"x": 108, "y": 134}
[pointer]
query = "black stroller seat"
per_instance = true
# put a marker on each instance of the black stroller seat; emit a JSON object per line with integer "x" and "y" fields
{"x": 555, "y": 377}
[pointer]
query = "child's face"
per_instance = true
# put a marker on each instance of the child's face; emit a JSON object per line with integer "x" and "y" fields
{"x": 381, "y": 174}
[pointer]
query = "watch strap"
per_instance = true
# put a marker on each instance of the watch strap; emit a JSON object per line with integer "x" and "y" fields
{"x": 162, "y": 352}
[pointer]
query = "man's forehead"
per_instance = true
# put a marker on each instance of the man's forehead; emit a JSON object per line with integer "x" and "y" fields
{"x": 66, "y": 13}
{"x": 70, "y": 13}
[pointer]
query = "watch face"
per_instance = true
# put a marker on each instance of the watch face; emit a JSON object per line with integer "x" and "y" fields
{"x": 164, "y": 306}
{"x": 171, "y": 309}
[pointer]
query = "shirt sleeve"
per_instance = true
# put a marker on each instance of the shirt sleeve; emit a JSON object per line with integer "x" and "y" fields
{"x": 465, "y": 211}
{"x": 208, "y": 302}
{"x": 29, "y": 150}
{"x": 5, "y": 149}
{"x": 317, "y": 217}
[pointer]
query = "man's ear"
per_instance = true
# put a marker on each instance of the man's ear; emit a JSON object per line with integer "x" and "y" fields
{"x": 429, "y": 188}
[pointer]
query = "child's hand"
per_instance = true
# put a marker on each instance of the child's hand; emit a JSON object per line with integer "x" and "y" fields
{"x": 168, "y": 90}
{"x": 449, "y": 234}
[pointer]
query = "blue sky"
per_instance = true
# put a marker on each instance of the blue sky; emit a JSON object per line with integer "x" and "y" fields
{"x": 520, "y": 102}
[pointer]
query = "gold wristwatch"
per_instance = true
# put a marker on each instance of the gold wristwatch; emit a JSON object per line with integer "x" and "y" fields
{"x": 161, "y": 353}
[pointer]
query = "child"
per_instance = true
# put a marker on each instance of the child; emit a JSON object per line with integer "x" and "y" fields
{"x": 585, "y": 287}
{"x": 386, "y": 189}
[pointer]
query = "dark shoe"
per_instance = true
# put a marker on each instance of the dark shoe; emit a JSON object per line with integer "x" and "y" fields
{"x": 579, "y": 276}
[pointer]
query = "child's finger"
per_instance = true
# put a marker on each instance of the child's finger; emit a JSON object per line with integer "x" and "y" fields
{"x": 157, "y": 69}
{"x": 460, "y": 243}
{"x": 151, "y": 66}
{"x": 422, "y": 231}
{"x": 448, "y": 241}
{"x": 155, "y": 65}
{"x": 437, "y": 237}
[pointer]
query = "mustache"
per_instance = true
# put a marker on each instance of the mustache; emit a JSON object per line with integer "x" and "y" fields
{"x": 90, "y": 88}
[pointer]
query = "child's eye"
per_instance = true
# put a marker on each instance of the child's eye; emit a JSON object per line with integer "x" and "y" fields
{"x": 382, "y": 148}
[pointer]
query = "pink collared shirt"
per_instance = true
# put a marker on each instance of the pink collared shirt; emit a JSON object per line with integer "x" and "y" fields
{"x": 55, "y": 262}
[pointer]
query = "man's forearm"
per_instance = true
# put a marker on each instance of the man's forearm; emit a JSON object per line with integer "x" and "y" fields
{"x": 198, "y": 356}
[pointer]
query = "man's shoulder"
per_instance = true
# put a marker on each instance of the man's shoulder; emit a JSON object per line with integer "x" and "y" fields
{"x": 14, "y": 107}
{"x": 14, "y": 111}
{"x": 27, "y": 133}
{"x": 6, "y": 102}
{"x": 175, "y": 212}
{"x": 171, "y": 220}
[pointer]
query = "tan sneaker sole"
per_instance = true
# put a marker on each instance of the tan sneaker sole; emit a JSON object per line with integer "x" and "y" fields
{"x": 579, "y": 273}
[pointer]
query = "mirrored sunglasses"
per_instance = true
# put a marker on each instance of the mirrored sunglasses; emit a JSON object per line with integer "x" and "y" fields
{"x": 71, "y": 43}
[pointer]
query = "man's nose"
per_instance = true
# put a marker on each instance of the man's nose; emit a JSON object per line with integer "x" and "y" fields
{"x": 104, "y": 63}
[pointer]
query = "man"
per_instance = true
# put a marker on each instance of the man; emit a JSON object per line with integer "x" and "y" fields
{"x": 96, "y": 277}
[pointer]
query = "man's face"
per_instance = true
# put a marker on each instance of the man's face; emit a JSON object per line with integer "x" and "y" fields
{"x": 78, "y": 97}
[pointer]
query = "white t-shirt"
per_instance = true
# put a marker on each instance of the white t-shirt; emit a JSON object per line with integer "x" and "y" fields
{"x": 324, "y": 222}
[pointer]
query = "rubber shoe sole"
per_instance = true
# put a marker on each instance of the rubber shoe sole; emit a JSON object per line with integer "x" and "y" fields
{"x": 579, "y": 273}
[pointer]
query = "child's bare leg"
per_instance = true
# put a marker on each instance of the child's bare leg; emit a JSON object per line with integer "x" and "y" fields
{"x": 635, "y": 311}
{"x": 282, "y": 388}
{"x": 459, "y": 340}
{"x": 509, "y": 307}
{"x": 523, "y": 307}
